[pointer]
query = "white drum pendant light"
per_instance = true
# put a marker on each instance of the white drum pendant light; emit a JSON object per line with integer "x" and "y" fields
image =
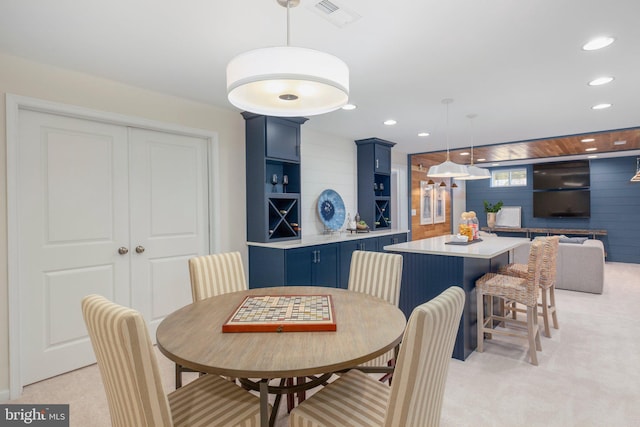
{"x": 447, "y": 169}
{"x": 287, "y": 81}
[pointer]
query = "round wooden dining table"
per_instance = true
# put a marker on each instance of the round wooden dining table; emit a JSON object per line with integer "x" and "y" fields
{"x": 366, "y": 327}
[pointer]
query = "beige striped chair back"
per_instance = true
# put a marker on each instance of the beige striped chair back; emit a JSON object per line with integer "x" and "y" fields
{"x": 421, "y": 371}
{"x": 378, "y": 274}
{"x": 216, "y": 274}
{"x": 127, "y": 364}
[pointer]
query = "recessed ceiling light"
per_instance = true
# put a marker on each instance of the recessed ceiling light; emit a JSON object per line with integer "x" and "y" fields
{"x": 593, "y": 156}
{"x": 424, "y": 134}
{"x": 588, "y": 140}
{"x": 601, "y": 106}
{"x": 601, "y": 81}
{"x": 598, "y": 43}
{"x": 349, "y": 107}
{"x": 390, "y": 122}
{"x": 464, "y": 153}
{"x": 481, "y": 160}
{"x": 591, "y": 149}
{"x": 619, "y": 142}
{"x": 495, "y": 164}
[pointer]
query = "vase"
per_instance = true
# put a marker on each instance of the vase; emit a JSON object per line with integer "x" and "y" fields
{"x": 491, "y": 219}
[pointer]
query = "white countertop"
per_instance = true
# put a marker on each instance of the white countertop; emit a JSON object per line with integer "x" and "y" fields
{"x": 489, "y": 247}
{"x": 323, "y": 239}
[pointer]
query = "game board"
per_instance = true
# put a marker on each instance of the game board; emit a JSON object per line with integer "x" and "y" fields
{"x": 282, "y": 313}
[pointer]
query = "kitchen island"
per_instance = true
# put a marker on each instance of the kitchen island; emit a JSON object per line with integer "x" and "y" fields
{"x": 432, "y": 265}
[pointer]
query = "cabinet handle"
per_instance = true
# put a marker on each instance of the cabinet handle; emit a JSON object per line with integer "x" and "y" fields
{"x": 315, "y": 257}
{"x": 123, "y": 251}
{"x": 139, "y": 249}
{"x": 377, "y": 164}
{"x": 318, "y": 252}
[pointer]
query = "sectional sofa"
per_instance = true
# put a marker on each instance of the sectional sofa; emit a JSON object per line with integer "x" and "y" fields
{"x": 580, "y": 264}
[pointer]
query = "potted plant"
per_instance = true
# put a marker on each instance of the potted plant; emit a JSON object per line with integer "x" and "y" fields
{"x": 491, "y": 210}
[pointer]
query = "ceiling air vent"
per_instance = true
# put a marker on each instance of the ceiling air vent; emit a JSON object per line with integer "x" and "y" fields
{"x": 334, "y": 12}
{"x": 326, "y": 6}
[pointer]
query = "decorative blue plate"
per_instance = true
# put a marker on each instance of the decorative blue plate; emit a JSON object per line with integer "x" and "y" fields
{"x": 331, "y": 210}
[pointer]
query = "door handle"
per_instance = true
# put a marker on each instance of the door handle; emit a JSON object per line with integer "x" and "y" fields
{"x": 123, "y": 251}
{"x": 139, "y": 249}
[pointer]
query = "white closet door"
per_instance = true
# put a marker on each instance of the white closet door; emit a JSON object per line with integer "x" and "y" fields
{"x": 88, "y": 189}
{"x": 169, "y": 219}
{"x": 73, "y": 217}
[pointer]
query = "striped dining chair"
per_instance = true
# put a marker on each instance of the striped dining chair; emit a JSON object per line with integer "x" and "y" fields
{"x": 378, "y": 274}
{"x": 216, "y": 274}
{"x": 131, "y": 377}
{"x": 416, "y": 393}
{"x": 213, "y": 275}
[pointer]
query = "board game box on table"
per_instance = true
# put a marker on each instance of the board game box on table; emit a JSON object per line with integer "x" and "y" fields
{"x": 282, "y": 313}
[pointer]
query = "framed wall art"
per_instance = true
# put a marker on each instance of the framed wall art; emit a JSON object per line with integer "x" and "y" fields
{"x": 426, "y": 203}
{"x": 439, "y": 205}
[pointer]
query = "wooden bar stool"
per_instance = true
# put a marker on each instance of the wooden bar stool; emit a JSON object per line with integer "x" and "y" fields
{"x": 513, "y": 289}
{"x": 547, "y": 283}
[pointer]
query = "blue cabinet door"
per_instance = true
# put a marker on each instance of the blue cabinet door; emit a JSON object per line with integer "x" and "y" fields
{"x": 299, "y": 266}
{"x": 283, "y": 139}
{"x": 346, "y": 251}
{"x": 266, "y": 267}
{"x": 312, "y": 265}
{"x": 325, "y": 269}
{"x": 382, "y": 159}
{"x": 391, "y": 240}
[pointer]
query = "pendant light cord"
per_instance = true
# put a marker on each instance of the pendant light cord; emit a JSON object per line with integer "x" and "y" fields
{"x": 447, "y": 101}
{"x": 471, "y": 117}
{"x": 288, "y": 7}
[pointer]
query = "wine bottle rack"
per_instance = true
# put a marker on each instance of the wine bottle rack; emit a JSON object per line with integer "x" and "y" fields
{"x": 382, "y": 219}
{"x": 283, "y": 214}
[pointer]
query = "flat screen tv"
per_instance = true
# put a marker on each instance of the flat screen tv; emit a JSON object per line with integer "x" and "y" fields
{"x": 572, "y": 174}
{"x": 562, "y": 204}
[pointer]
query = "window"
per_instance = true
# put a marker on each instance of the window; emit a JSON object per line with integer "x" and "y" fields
{"x": 509, "y": 177}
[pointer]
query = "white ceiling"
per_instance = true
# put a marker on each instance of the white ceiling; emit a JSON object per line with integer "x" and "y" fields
{"x": 517, "y": 64}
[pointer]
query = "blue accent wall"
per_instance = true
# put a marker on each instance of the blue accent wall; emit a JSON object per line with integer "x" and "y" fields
{"x": 615, "y": 206}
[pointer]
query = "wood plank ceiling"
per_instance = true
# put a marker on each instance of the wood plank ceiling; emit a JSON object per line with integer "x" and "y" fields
{"x": 603, "y": 142}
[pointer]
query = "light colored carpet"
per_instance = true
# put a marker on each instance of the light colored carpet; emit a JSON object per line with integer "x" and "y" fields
{"x": 589, "y": 372}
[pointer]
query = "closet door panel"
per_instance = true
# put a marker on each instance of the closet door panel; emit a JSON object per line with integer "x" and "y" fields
{"x": 169, "y": 218}
{"x": 73, "y": 215}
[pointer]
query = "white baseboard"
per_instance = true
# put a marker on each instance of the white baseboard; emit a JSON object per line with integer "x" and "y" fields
{"x": 5, "y": 396}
